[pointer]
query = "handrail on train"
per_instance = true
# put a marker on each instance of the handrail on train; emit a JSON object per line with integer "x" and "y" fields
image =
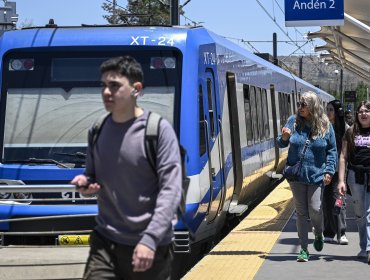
{"x": 55, "y": 188}
{"x": 37, "y": 188}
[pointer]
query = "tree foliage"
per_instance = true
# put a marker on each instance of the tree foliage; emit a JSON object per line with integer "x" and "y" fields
{"x": 361, "y": 92}
{"x": 139, "y": 12}
{"x": 361, "y": 95}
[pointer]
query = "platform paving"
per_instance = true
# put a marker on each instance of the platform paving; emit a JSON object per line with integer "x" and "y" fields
{"x": 44, "y": 262}
{"x": 265, "y": 246}
{"x": 333, "y": 262}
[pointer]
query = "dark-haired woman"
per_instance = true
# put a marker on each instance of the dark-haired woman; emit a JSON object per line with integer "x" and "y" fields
{"x": 356, "y": 151}
{"x": 335, "y": 223}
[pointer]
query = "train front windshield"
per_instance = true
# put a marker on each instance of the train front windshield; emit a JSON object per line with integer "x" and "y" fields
{"x": 50, "y": 99}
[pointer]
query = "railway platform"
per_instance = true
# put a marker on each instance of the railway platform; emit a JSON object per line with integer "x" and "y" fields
{"x": 262, "y": 247}
{"x": 43, "y": 262}
{"x": 265, "y": 246}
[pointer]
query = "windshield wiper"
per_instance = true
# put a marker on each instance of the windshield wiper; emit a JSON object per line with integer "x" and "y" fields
{"x": 78, "y": 155}
{"x": 38, "y": 160}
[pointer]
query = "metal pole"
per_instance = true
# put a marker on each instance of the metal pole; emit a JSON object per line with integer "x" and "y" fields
{"x": 300, "y": 66}
{"x": 175, "y": 12}
{"x": 341, "y": 86}
{"x": 274, "y": 47}
{"x": 114, "y": 11}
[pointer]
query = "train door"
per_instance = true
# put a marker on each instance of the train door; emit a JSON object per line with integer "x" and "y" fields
{"x": 235, "y": 208}
{"x": 214, "y": 145}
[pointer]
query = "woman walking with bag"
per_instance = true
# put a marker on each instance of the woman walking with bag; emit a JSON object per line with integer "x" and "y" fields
{"x": 335, "y": 222}
{"x": 356, "y": 150}
{"x": 311, "y": 141}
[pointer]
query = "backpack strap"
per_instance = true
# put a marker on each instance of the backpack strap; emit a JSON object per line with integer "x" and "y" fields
{"x": 151, "y": 139}
{"x": 97, "y": 128}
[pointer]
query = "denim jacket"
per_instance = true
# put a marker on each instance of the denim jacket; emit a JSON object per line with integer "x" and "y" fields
{"x": 320, "y": 157}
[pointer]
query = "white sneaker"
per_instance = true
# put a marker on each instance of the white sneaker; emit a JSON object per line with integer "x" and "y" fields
{"x": 343, "y": 240}
{"x": 362, "y": 254}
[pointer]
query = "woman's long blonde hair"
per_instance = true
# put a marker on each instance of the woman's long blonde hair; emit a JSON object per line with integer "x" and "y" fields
{"x": 320, "y": 123}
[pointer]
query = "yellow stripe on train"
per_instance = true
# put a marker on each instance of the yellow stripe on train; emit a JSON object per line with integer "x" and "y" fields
{"x": 73, "y": 240}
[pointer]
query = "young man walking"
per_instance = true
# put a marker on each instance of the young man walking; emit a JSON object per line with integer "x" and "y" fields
{"x": 137, "y": 205}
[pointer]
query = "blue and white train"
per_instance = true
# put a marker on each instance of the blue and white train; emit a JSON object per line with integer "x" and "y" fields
{"x": 226, "y": 104}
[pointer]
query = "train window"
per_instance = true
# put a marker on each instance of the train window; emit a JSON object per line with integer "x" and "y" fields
{"x": 286, "y": 107}
{"x": 247, "y": 112}
{"x": 254, "y": 114}
{"x": 210, "y": 107}
{"x": 289, "y": 104}
{"x": 202, "y": 123}
{"x": 265, "y": 113}
{"x": 259, "y": 113}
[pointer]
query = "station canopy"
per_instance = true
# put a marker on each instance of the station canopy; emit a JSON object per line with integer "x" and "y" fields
{"x": 348, "y": 45}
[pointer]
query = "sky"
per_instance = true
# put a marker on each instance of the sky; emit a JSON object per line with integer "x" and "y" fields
{"x": 248, "y": 23}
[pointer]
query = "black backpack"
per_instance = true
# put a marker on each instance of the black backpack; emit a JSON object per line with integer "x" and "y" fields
{"x": 151, "y": 140}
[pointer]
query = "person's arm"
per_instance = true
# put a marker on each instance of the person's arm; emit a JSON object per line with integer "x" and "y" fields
{"x": 342, "y": 189}
{"x": 85, "y": 183}
{"x": 331, "y": 157}
{"x": 283, "y": 139}
{"x": 169, "y": 171}
{"x": 331, "y": 153}
{"x": 170, "y": 186}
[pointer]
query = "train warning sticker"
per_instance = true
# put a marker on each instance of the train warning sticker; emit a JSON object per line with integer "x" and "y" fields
{"x": 73, "y": 240}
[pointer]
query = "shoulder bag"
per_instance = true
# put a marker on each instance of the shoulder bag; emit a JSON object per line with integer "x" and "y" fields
{"x": 292, "y": 172}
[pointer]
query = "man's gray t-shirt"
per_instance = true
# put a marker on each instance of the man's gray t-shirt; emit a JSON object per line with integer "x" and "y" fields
{"x": 135, "y": 204}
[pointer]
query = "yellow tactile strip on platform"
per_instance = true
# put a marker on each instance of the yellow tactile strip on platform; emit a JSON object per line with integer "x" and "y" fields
{"x": 240, "y": 254}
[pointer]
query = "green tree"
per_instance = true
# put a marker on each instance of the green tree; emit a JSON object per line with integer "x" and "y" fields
{"x": 139, "y": 12}
{"x": 361, "y": 95}
{"x": 361, "y": 92}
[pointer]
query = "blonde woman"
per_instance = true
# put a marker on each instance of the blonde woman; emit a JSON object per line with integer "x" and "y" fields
{"x": 310, "y": 127}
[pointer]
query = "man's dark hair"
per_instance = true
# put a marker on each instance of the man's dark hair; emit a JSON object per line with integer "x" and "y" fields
{"x": 126, "y": 66}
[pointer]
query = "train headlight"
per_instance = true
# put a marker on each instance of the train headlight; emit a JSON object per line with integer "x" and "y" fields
{"x": 24, "y": 64}
{"x": 162, "y": 62}
{"x": 170, "y": 62}
{"x": 15, "y": 64}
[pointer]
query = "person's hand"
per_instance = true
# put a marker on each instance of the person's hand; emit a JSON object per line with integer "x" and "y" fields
{"x": 142, "y": 259}
{"x": 286, "y": 132}
{"x": 84, "y": 186}
{"x": 327, "y": 179}
{"x": 342, "y": 189}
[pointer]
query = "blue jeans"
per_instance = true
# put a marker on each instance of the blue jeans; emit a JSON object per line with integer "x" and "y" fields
{"x": 361, "y": 206}
{"x": 307, "y": 200}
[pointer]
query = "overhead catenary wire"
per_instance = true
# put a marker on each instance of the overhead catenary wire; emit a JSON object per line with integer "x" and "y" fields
{"x": 272, "y": 17}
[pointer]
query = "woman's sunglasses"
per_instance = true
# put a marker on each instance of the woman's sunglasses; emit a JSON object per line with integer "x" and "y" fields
{"x": 301, "y": 104}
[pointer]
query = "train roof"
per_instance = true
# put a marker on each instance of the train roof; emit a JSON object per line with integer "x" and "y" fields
{"x": 52, "y": 35}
